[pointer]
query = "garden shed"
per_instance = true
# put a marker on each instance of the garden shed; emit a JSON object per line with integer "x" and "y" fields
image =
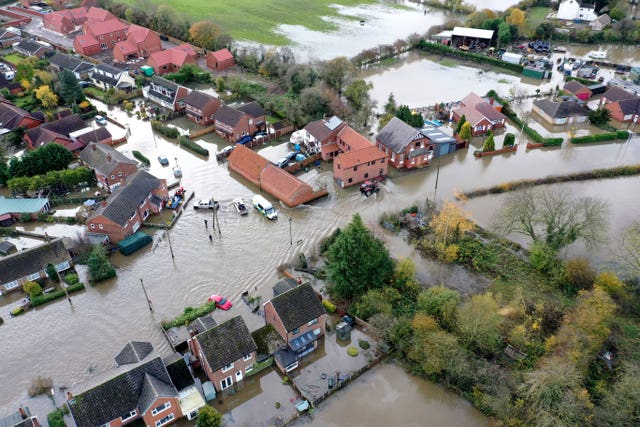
{"x": 134, "y": 242}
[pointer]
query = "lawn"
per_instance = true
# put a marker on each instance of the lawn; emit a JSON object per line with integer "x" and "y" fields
{"x": 13, "y": 58}
{"x": 256, "y": 20}
{"x": 535, "y": 17}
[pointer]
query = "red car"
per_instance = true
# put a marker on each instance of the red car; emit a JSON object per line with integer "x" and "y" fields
{"x": 221, "y": 302}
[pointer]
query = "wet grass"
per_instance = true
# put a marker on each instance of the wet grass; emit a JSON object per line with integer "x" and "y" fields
{"x": 13, "y": 58}
{"x": 448, "y": 63}
{"x": 535, "y": 17}
{"x": 257, "y": 20}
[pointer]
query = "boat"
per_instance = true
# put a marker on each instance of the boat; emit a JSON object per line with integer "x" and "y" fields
{"x": 240, "y": 207}
{"x": 177, "y": 198}
{"x": 177, "y": 172}
{"x": 597, "y": 54}
{"x": 434, "y": 123}
{"x": 206, "y": 204}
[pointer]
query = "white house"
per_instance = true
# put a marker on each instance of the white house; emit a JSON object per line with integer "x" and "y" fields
{"x": 570, "y": 10}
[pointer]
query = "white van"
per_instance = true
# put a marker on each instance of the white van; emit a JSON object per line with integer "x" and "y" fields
{"x": 264, "y": 207}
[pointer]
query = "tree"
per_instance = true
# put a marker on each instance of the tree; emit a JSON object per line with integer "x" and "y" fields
{"x": 621, "y": 406}
{"x": 25, "y": 70}
{"x": 462, "y": 121}
{"x": 209, "y": 417}
{"x": 465, "y": 131}
{"x": 390, "y": 107}
{"x": 629, "y": 249}
{"x": 208, "y": 35}
{"x": 383, "y": 120}
{"x": 555, "y": 218}
{"x": 546, "y": 30}
{"x": 99, "y": 266}
{"x": 600, "y": 116}
{"x": 68, "y": 88}
{"x": 357, "y": 261}
{"x": 32, "y": 288}
{"x": 46, "y": 97}
{"x": 313, "y": 102}
{"x": 47, "y": 158}
{"x": 579, "y": 274}
{"x": 441, "y": 303}
{"x": 450, "y": 221}
{"x": 376, "y": 301}
{"x": 357, "y": 93}
{"x": 433, "y": 350}
{"x": 337, "y": 72}
{"x": 517, "y": 18}
{"x": 509, "y": 140}
{"x": 477, "y": 322}
{"x": 52, "y": 273}
{"x": 489, "y": 143}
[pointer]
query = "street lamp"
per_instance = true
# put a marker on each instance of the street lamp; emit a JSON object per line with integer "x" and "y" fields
{"x": 290, "y": 235}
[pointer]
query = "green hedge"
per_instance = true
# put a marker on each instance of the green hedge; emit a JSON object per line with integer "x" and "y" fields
{"x": 621, "y": 134}
{"x": 582, "y": 80}
{"x": 189, "y": 315}
{"x": 168, "y": 131}
{"x": 138, "y": 155}
{"x": 192, "y": 146}
{"x": 45, "y": 298}
{"x": 477, "y": 57}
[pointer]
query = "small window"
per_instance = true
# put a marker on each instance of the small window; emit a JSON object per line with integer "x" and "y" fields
{"x": 295, "y": 331}
{"x": 113, "y": 177}
{"x": 101, "y": 227}
{"x": 350, "y": 180}
{"x": 366, "y": 175}
{"x": 312, "y": 322}
{"x": 227, "y": 368}
{"x": 129, "y": 416}
{"x": 93, "y": 226}
{"x": 119, "y": 173}
{"x": 355, "y": 168}
{"x": 247, "y": 357}
{"x": 248, "y": 369}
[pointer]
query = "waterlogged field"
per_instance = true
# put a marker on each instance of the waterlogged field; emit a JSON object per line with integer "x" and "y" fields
{"x": 257, "y": 20}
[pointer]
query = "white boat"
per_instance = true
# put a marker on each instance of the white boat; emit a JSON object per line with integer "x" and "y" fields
{"x": 241, "y": 208}
{"x": 597, "y": 54}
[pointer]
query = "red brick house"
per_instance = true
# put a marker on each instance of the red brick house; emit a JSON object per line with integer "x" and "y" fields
{"x": 58, "y": 22}
{"x": 577, "y": 89}
{"x": 200, "y": 107}
{"x": 623, "y": 106}
{"x": 405, "y": 146}
{"x": 321, "y": 136}
{"x": 138, "y": 196}
{"x": 230, "y": 123}
{"x": 256, "y": 114}
{"x": 100, "y": 36}
{"x": 227, "y": 352}
{"x": 220, "y": 59}
{"x": 140, "y": 43}
{"x": 110, "y": 166}
{"x": 57, "y": 132}
{"x": 13, "y": 117}
{"x": 484, "y": 115}
{"x": 358, "y": 160}
{"x": 171, "y": 60}
{"x": 300, "y": 319}
{"x": 134, "y": 391}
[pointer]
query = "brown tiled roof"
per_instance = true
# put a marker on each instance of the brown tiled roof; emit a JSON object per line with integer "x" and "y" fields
{"x": 573, "y": 86}
{"x": 198, "y": 99}
{"x": 489, "y": 112}
{"x": 106, "y": 27}
{"x": 221, "y": 55}
{"x": 246, "y": 162}
{"x": 359, "y": 157}
{"x": 228, "y": 115}
{"x": 614, "y": 94}
{"x": 472, "y": 99}
{"x": 253, "y": 109}
{"x": 353, "y": 138}
{"x": 472, "y": 115}
{"x": 319, "y": 129}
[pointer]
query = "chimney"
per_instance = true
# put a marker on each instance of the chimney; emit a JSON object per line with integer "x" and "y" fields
{"x": 93, "y": 147}
{"x": 491, "y": 100}
{"x": 109, "y": 158}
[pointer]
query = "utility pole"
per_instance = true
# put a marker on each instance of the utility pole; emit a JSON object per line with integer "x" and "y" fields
{"x": 290, "y": 235}
{"x": 170, "y": 247}
{"x": 435, "y": 190}
{"x": 215, "y": 215}
{"x": 146, "y": 296}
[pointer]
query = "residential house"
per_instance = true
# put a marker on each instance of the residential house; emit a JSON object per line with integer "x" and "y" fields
{"x": 576, "y": 10}
{"x": 108, "y": 77}
{"x": 483, "y": 114}
{"x": 171, "y": 60}
{"x": 321, "y": 136}
{"x": 110, "y": 166}
{"x": 220, "y": 59}
{"x": 99, "y": 36}
{"x": 227, "y": 352}
{"x": 140, "y": 43}
{"x": 257, "y": 116}
{"x": 12, "y": 86}
{"x": 64, "y": 131}
{"x": 131, "y": 392}
{"x": 6, "y": 247}
{"x": 623, "y": 106}
{"x": 21, "y": 418}
{"x": 358, "y": 160}
{"x": 61, "y": 61}
{"x": 17, "y": 207}
{"x": 166, "y": 93}
{"x": 58, "y": 22}
{"x": 129, "y": 205}
{"x": 577, "y": 89}
{"x": 13, "y": 117}
{"x": 31, "y": 265}
{"x": 9, "y": 36}
{"x": 562, "y": 112}
{"x": 99, "y": 135}
{"x": 65, "y": 21}
{"x": 191, "y": 399}
{"x": 626, "y": 85}
{"x": 270, "y": 178}
{"x": 230, "y": 123}
{"x": 300, "y": 319}
{"x": 200, "y": 107}
{"x": 32, "y": 48}
{"x": 407, "y": 147}
{"x": 600, "y": 23}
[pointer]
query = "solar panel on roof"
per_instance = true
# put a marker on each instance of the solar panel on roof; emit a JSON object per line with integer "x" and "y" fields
{"x": 333, "y": 123}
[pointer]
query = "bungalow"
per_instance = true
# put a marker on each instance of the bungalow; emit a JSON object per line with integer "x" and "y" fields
{"x": 171, "y": 60}
{"x": 140, "y": 43}
{"x": 99, "y": 36}
{"x": 166, "y": 93}
{"x": 61, "y": 61}
{"x": 227, "y": 352}
{"x": 300, "y": 319}
{"x": 270, "y": 178}
{"x": 483, "y": 114}
{"x": 142, "y": 390}
{"x": 200, "y": 107}
{"x": 31, "y": 265}
{"x": 107, "y": 77}
{"x": 257, "y": 116}
{"x": 560, "y": 113}
{"x": 6, "y": 247}
{"x": 600, "y": 23}
{"x": 13, "y": 117}
{"x": 230, "y": 123}
{"x": 64, "y": 131}
{"x": 32, "y": 48}
{"x": 110, "y": 166}
{"x": 623, "y": 105}
{"x": 358, "y": 160}
{"x": 407, "y": 147}
{"x": 138, "y": 196}
{"x": 220, "y": 59}
{"x": 21, "y": 418}
{"x": 577, "y": 89}
{"x": 321, "y": 136}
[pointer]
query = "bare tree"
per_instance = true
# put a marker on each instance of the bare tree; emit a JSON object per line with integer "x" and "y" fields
{"x": 554, "y": 218}
{"x": 629, "y": 249}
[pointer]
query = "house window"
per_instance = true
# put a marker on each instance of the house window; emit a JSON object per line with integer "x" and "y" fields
{"x": 350, "y": 180}
{"x": 93, "y": 226}
{"x": 145, "y": 214}
{"x": 119, "y": 173}
{"x": 103, "y": 46}
{"x": 248, "y": 369}
{"x": 417, "y": 145}
{"x": 34, "y": 276}
{"x": 247, "y": 357}
{"x": 312, "y": 322}
{"x": 366, "y": 175}
{"x": 101, "y": 227}
{"x": 105, "y": 425}
{"x": 11, "y": 285}
{"x": 113, "y": 177}
{"x": 295, "y": 331}
{"x": 129, "y": 416}
{"x": 227, "y": 368}
{"x": 338, "y": 163}
{"x": 355, "y": 168}
{"x": 155, "y": 411}
{"x": 165, "y": 420}
{"x": 226, "y": 383}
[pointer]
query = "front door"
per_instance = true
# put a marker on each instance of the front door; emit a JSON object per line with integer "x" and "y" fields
{"x": 238, "y": 376}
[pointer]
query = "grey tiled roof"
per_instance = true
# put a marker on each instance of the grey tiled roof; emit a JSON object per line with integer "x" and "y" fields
{"x": 120, "y": 393}
{"x": 253, "y": 109}
{"x": 298, "y": 307}
{"x": 97, "y": 134}
{"x": 178, "y": 371}
{"x": 396, "y": 135}
{"x": 103, "y": 158}
{"x": 283, "y": 286}
{"x": 29, "y": 261}
{"x": 11, "y": 115}
{"x": 228, "y": 115}
{"x": 64, "y": 61}
{"x": 198, "y": 99}
{"x": 226, "y": 343}
{"x": 561, "y": 109}
{"x": 63, "y": 126}
{"x": 133, "y": 352}
{"x": 104, "y": 78}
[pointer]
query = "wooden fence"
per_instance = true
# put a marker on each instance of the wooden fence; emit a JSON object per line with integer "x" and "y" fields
{"x": 199, "y": 133}
{"x": 299, "y": 165}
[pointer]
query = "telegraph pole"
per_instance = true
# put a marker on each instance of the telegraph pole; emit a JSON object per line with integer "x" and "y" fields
{"x": 170, "y": 247}
{"x": 435, "y": 190}
{"x": 146, "y": 296}
{"x": 215, "y": 215}
{"x": 290, "y": 235}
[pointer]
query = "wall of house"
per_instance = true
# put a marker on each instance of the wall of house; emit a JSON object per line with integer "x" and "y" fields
{"x": 108, "y": 39}
{"x": 174, "y": 410}
{"x": 616, "y": 111}
{"x": 116, "y": 177}
{"x": 241, "y": 128}
{"x": 86, "y": 50}
{"x": 322, "y": 325}
{"x": 111, "y": 229}
{"x": 271, "y": 318}
{"x": 359, "y": 173}
{"x": 215, "y": 65}
{"x": 29, "y": 123}
{"x": 217, "y": 376}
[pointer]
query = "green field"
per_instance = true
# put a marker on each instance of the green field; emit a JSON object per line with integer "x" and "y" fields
{"x": 535, "y": 17}
{"x": 256, "y": 20}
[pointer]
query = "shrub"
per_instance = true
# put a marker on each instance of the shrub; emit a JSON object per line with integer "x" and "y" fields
{"x": 55, "y": 419}
{"x": 141, "y": 157}
{"x": 610, "y": 136}
{"x": 509, "y": 140}
{"x": 189, "y": 315}
{"x": 610, "y": 283}
{"x": 32, "y": 288}
{"x": 352, "y": 351}
{"x": 541, "y": 256}
{"x": 489, "y": 143}
{"x": 169, "y": 132}
{"x": 52, "y": 273}
{"x": 25, "y": 217}
{"x": 60, "y": 293}
{"x": 364, "y": 344}
{"x": 99, "y": 266}
{"x": 579, "y": 274}
{"x": 329, "y": 306}
{"x": 71, "y": 279}
{"x": 192, "y": 146}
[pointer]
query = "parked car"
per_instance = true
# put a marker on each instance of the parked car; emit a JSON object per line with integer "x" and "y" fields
{"x": 221, "y": 302}
{"x": 264, "y": 207}
{"x": 244, "y": 140}
{"x": 226, "y": 151}
{"x": 206, "y": 204}
{"x": 164, "y": 161}
{"x": 283, "y": 162}
{"x": 101, "y": 120}
{"x": 84, "y": 84}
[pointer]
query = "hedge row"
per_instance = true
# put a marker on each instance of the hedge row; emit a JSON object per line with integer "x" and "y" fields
{"x": 477, "y": 57}
{"x": 579, "y": 176}
{"x": 45, "y": 298}
{"x": 582, "y": 80}
{"x": 189, "y": 315}
{"x": 168, "y": 131}
{"x": 530, "y": 132}
{"x": 192, "y": 146}
{"x": 138, "y": 155}
{"x": 621, "y": 134}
